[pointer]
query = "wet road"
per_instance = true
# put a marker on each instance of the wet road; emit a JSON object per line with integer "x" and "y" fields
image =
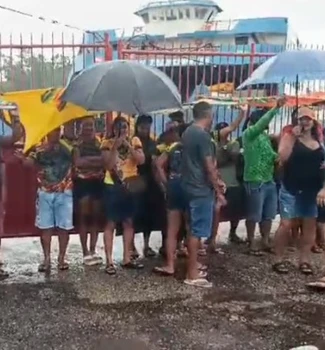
{"x": 249, "y": 307}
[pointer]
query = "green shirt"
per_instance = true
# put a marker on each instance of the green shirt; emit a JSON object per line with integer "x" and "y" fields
{"x": 259, "y": 155}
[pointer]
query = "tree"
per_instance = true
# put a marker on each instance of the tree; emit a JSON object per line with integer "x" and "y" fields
{"x": 27, "y": 71}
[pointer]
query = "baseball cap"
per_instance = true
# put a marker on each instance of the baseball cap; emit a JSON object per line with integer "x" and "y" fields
{"x": 306, "y": 112}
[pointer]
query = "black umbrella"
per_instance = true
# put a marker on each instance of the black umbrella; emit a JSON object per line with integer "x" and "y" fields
{"x": 123, "y": 86}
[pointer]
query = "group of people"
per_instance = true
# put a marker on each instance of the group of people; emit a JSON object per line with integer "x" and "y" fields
{"x": 183, "y": 183}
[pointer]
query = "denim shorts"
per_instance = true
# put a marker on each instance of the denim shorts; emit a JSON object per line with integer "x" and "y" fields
{"x": 119, "y": 204}
{"x": 261, "y": 201}
{"x": 54, "y": 210}
{"x": 201, "y": 212}
{"x": 300, "y": 205}
{"x": 176, "y": 199}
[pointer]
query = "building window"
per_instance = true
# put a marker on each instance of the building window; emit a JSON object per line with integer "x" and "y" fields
{"x": 145, "y": 18}
{"x": 170, "y": 15}
{"x": 200, "y": 13}
{"x": 241, "y": 40}
{"x": 180, "y": 14}
{"x": 162, "y": 16}
{"x": 154, "y": 17}
{"x": 188, "y": 13}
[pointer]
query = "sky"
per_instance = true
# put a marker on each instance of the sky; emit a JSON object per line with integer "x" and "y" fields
{"x": 306, "y": 17}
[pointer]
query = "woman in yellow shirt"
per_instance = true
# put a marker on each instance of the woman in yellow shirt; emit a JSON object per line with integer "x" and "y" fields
{"x": 121, "y": 157}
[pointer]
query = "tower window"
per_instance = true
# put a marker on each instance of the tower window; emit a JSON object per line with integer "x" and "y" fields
{"x": 188, "y": 13}
{"x": 145, "y": 18}
{"x": 241, "y": 40}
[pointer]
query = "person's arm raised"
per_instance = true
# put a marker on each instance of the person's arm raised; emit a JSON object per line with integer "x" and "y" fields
{"x": 225, "y": 132}
{"x": 255, "y": 130}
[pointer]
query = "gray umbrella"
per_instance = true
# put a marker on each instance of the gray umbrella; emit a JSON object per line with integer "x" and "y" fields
{"x": 123, "y": 86}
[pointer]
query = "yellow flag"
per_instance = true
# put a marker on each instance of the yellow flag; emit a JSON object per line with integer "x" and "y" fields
{"x": 41, "y": 112}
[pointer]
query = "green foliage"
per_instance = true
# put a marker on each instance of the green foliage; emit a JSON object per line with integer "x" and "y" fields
{"x": 27, "y": 71}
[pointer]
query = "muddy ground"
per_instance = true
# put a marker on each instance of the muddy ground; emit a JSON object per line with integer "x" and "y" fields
{"x": 249, "y": 307}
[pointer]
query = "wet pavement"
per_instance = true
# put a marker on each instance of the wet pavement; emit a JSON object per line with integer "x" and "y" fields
{"x": 249, "y": 307}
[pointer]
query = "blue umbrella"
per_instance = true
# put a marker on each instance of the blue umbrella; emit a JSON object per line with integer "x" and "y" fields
{"x": 289, "y": 67}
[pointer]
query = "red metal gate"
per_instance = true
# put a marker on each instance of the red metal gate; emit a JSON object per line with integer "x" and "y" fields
{"x": 31, "y": 66}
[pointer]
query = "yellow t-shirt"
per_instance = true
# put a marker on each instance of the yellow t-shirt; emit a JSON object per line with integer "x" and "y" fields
{"x": 126, "y": 166}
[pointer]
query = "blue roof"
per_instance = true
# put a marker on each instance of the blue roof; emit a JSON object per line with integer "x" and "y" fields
{"x": 174, "y": 3}
{"x": 271, "y": 25}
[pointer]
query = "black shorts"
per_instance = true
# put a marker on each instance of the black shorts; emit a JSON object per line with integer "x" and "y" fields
{"x": 321, "y": 215}
{"x": 92, "y": 188}
{"x": 236, "y": 203}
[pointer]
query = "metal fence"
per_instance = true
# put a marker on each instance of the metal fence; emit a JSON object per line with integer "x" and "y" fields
{"x": 27, "y": 64}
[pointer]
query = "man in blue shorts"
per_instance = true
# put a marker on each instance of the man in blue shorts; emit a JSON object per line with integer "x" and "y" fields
{"x": 201, "y": 184}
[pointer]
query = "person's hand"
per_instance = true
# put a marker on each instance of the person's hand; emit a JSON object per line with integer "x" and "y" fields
{"x": 126, "y": 143}
{"x": 296, "y": 131}
{"x": 322, "y": 166}
{"x": 222, "y": 186}
{"x": 281, "y": 101}
{"x": 118, "y": 142}
{"x": 321, "y": 198}
{"x": 19, "y": 154}
{"x": 221, "y": 200}
{"x": 243, "y": 107}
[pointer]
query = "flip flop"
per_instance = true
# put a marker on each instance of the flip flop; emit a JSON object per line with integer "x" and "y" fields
{"x": 63, "y": 266}
{"x": 200, "y": 283}
{"x": 162, "y": 272}
{"x": 281, "y": 267}
{"x": 149, "y": 253}
{"x": 44, "y": 267}
{"x": 110, "y": 270}
{"x": 317, "y": 285}
{"x": 256, "y": 252}
{"x": 202, "y": 267}
{"x": 3, "y": 274}
{"x": 133, "y": 265}
{"x": 306, "y": 269}
{"x": 317, "y": 249}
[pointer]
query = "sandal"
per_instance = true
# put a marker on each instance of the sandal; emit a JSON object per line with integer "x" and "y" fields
{"x": 44, "y": 267}
{"x": 3, "y": 274}
{"x": 317, "y": 249}
{"x": 233, "y": 238}
{"x": 110, "y": 270}
{"x": 256, "y": 252}
{"x": 149, "y": 253}
{"x": 306, "y": 268}
{"x": 317, "y": 285}
{"x": 202, "y": 267}
{"x": 162, "y": 272}
{"x": 281, "y": 267}
{"x": 133, "y": 265}
{"x": 200, "y": 282}
{"x": 63, "y": 266}
{"x": 134, "y": 254}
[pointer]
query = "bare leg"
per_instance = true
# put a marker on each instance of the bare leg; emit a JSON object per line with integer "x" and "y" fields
{"x": 108, "y": 242}
{"x": 215, "y": 228}
{"x": 192, "y": 264}
{"x": 96, "y": 205}
{"x": 63, "y": 237}
{"x": 128, "y": 239}
{"x": 174, "y": 218}
{"x": 46, "y": 239}
{"x": 281, "y": 239}
{"x": 250, "y": 228}
{"x": 265, "y": 228}
{"x": 307, "y": 239}
{"x": 83, "y": 214}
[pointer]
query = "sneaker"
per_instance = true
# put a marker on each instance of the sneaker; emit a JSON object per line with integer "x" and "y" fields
{"x": 88, "y": 260}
